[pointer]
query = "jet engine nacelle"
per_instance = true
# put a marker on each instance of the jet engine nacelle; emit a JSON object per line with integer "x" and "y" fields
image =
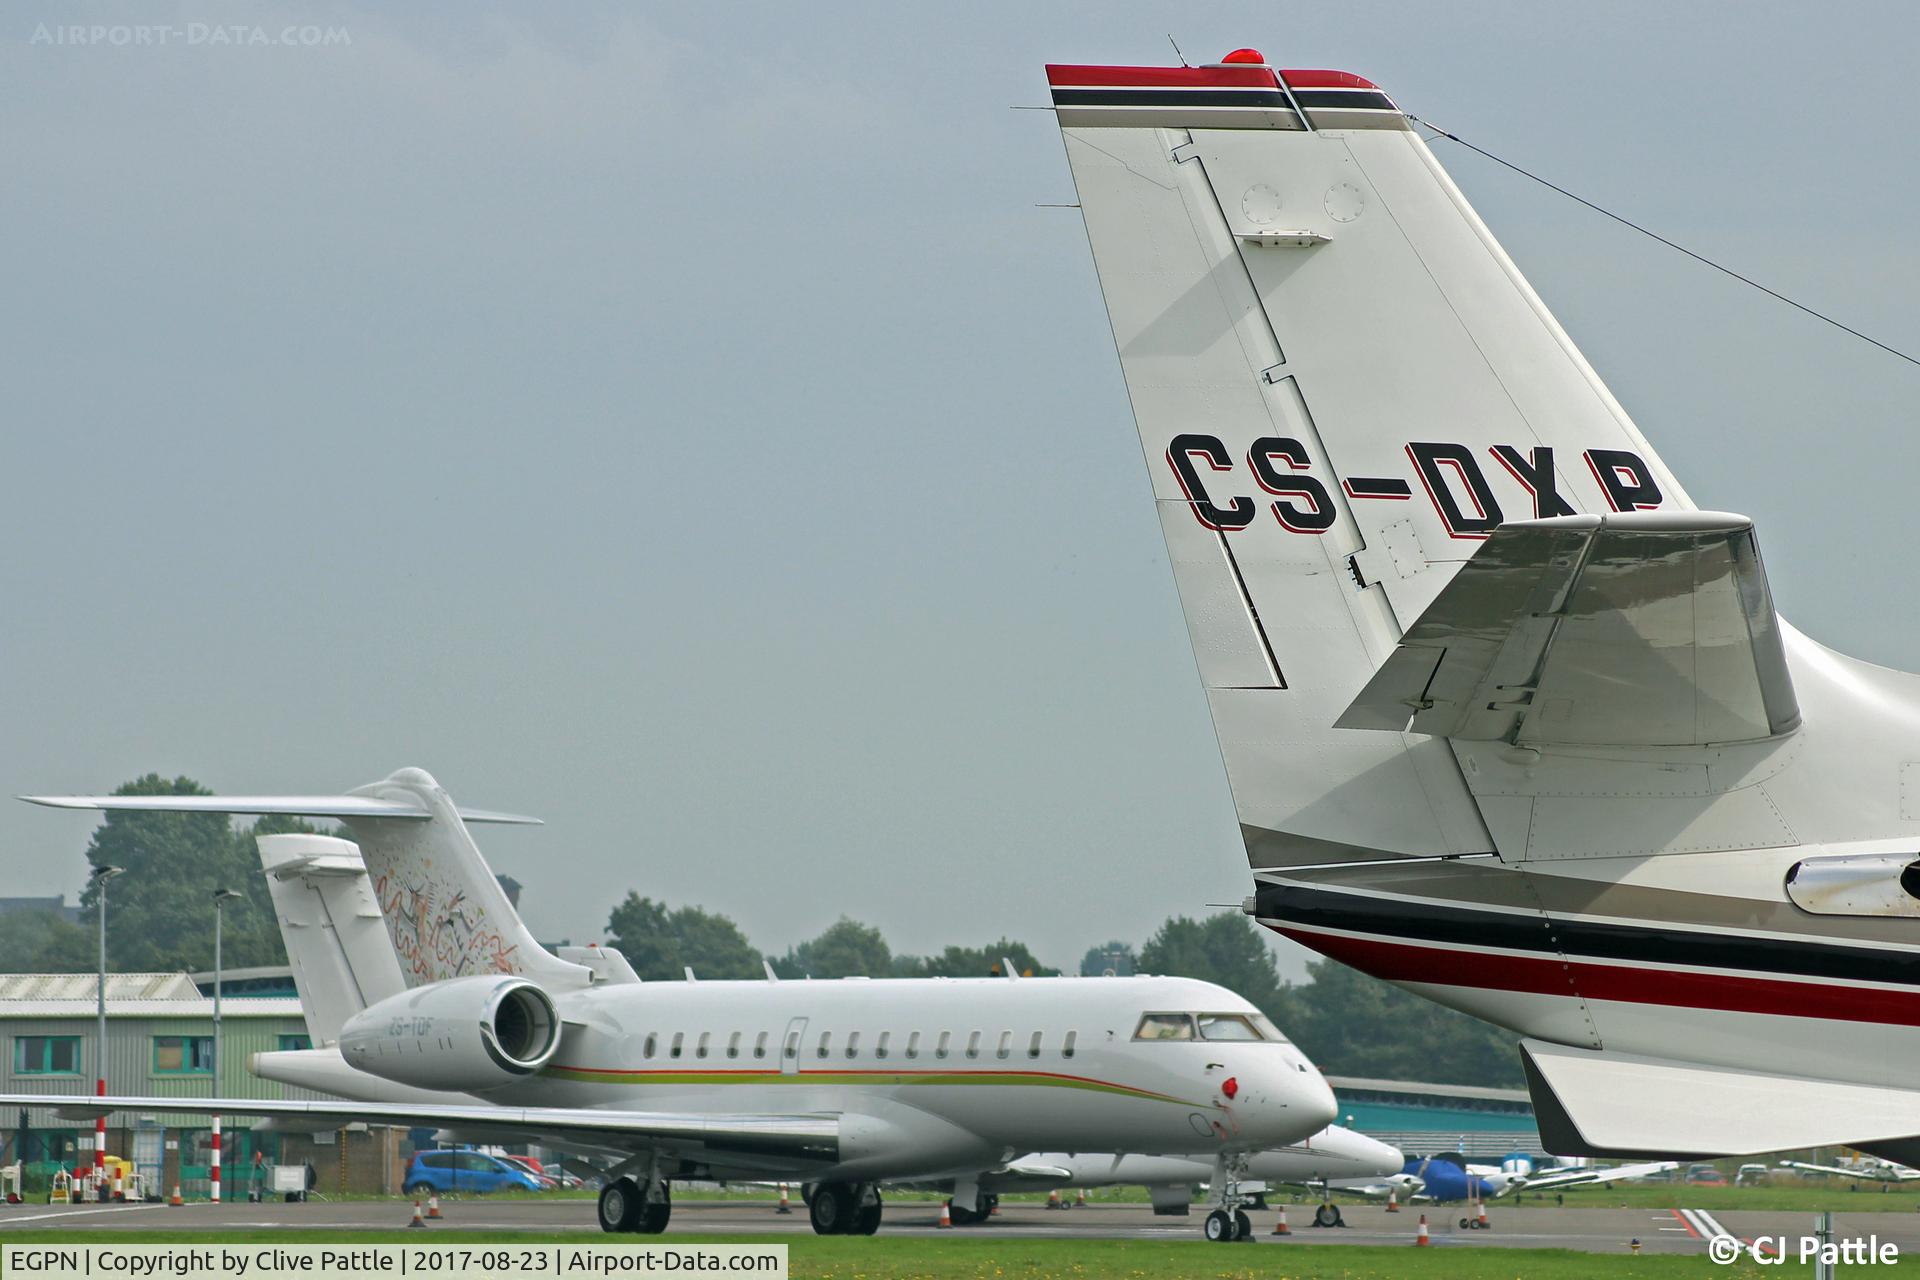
{"x": 463, "y": 1034}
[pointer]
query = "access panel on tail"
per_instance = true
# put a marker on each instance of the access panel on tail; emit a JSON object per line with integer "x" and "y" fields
{"x": 1342, "y": 386}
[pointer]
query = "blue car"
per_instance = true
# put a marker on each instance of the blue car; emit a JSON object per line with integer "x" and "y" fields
{"x": 445, "y": 1172}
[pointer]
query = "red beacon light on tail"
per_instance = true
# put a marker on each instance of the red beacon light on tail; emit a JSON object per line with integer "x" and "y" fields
{"x": 1245, "y": 57}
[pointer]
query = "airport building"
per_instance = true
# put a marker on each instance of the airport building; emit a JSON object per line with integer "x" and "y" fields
{"x": 1426, "y": 1119}
{"x": 160, "y": 1044}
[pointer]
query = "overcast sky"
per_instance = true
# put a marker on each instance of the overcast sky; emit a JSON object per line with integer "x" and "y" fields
{"x": 681, "y": 423}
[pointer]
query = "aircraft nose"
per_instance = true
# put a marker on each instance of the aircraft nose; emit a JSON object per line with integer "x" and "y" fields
{"x": 1367, "y": 1157}
{"x": 1295, "y": 1103}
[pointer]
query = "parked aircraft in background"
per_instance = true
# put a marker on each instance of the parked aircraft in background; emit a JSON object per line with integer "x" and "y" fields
{"x": 1869, "y": 1170}
{"x": 1448, "y": 1178}
{"x": 845, "y": 1084}
{"x": 1332, "y": 1154}
{"x": 1507, "y": 719}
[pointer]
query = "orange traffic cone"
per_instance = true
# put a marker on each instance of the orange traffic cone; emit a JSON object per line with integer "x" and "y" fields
{"x": 418, "y": 1221}
{"x": 1053, "y": 1199}
{"x": 994, "y": 1212}
{"x": 1080, "y": 1200}
{"x": 1281, "y": 1228}
{"x": 946, "y": 1215}
{"x": 175, "y": 1199}
{"x": 784, "y": 1206}
{"x": 1481, "y": 1222}
{"x": 1422, "y": 1239}
{"x": 433, "y": 1207}
{"x": 1393, "y": 1200}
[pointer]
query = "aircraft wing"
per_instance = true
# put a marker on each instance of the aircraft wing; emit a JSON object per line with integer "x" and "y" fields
{"x": 1371, "y": 1190}
{"x": 1591, "y": 1177}
{"x": 797, "y": 1137}
{"x": 1027, "y": 1175}
{"x": 1642, "y": 628}
{"x": 1892, "y": 1174}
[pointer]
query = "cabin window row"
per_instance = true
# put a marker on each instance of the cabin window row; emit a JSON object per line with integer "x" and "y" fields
{"x": 708, "y": 1044}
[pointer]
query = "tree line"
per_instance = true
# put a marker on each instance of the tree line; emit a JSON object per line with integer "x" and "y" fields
{"x": 1348, "y": 1023}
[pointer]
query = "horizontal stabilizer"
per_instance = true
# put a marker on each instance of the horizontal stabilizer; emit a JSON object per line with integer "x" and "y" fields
{"x": 1643, "y": 628}
{"x": 351, "y": 807}
{"x": 1615, "y": 1104}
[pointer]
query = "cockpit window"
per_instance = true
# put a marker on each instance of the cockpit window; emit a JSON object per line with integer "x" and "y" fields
{"x": 1227, "y": 1026}
{"x": 1268, "y": 1031}
{"x": 1164, "y": 1026}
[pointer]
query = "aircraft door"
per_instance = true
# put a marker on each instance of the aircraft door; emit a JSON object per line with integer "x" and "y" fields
{"x": 790, "y": 1046}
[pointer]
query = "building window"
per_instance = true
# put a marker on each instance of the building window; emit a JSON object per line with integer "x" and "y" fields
{"x": 1006, "y": 1045}
{"x": 1066, "y": 1046}
{"x": 183, "y": 1055}
{"x": 1033, "y": 1045}
{"x": 290, "y": 1042}
{"x": 46, "y": 1055}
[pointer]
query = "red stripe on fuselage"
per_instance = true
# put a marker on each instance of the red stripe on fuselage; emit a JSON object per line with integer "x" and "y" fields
{"x": 1248, "y": 77}
{"x": 1318, "y": 79}
{"x": 1679, "y": 988}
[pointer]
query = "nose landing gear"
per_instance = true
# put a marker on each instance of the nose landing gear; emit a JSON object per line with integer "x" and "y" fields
{"x": 1229, "y": 1221}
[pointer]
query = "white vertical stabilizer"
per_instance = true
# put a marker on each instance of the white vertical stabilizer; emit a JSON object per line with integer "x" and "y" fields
{"x": 1342, "y": 386}
{"x": 445, "y": 911}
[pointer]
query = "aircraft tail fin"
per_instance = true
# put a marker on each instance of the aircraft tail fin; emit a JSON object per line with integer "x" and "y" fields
{"x": 1342, "y": 386}
{"x": 445, "y": 910}
{"x": 446, "y": 914}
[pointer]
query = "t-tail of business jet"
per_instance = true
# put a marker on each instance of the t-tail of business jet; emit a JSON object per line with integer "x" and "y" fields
{"x": 1507, "y": 719}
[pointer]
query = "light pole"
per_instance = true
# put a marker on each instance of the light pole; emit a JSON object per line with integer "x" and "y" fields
{"x": 101, "y": 875}
{"x": 221, "y": 897}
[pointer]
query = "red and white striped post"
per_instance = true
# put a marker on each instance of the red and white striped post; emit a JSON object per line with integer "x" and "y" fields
{"x": 216, "y": 1159}
{"x": 100, "y": 1139}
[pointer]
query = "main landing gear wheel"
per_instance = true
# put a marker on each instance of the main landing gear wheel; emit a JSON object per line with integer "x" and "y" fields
{"x": 1220, "y": 1227}
{"x": 970, "y": 1215}
{"x": 1242, "y": 1225}
{"x": 620, "y": 1205}
{"x": 653, "y": 1219}
{"x": 1328, "y": 1215}
{"x": 866, "y": 1218}
{"x": 832, "y": 1209}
